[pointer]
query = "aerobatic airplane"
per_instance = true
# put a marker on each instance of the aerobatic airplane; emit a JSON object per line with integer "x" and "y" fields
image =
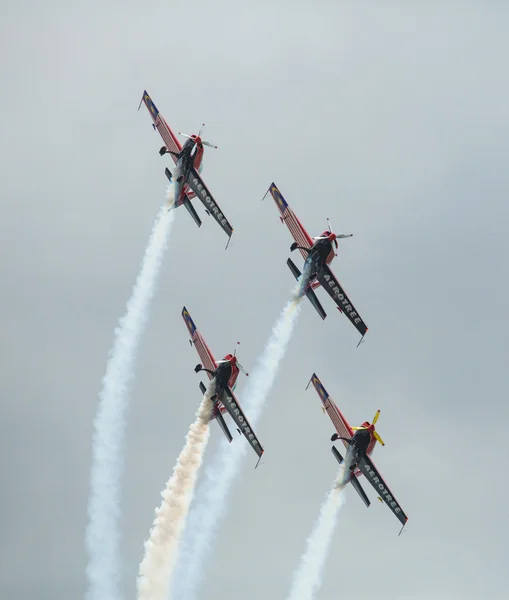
{"x": 359, "y": 446}
{"x": 224, "y": 373}
{"x": 189, "y": 163}
{"x": 317, "y": 252}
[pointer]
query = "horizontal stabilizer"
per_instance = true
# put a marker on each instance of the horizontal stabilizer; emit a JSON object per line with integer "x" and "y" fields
{"x": 309, "y": 292}
{"x": 358, "y": 488}
{"x": 219, "y": 417}
{"x": 224, "y": 427}
{"x": 337, "y": 454}
{"x": 176, "y": 201}
{"x": 191, "y": 210}
{"x": 353, "y": 479}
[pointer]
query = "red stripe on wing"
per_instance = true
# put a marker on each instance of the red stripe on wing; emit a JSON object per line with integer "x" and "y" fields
{"x": 168, "y": 136}
{"x": 338, "y": 420}
{"x": 299, "y": 234}
{"x": 204, "y": 353}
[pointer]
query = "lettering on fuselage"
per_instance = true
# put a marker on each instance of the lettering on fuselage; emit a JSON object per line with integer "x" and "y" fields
{"x": 343, "y": 299}
{"x": 384, "y": 492}
{"x": 202, "y": 192}
{"x": 243, "y": 423}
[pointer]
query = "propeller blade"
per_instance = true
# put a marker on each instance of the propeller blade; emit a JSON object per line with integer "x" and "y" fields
{"x": 378, "y": 438}
{"x": 184, "y": 135}
{"x": 242, "y": 369}
{"x": 201, "y": 129}
{"x": 328, "y": 223}
{"x": 357, "y": 428}
{"x": 375, "y": 418}
{"x": 344, "y": 235}
{"x": 209, "y": 144}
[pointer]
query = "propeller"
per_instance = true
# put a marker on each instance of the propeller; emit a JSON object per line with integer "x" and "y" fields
{"x": 375, "y": 433}
{"x": 199, "y": 136}
{"x": 338, "y": 235}
{"x": 241, "y": 368}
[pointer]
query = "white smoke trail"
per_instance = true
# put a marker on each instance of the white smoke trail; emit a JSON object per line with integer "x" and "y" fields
{"x": 162, "y": 546}
{"x": 212, "y": 494}
{"x": 102, "y": 535}
{"x": 307, "y": 579}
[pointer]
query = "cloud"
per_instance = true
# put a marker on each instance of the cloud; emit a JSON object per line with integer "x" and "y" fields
{"x": 390, "y": 121}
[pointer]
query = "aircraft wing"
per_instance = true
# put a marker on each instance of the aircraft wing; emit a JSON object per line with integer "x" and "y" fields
{"x": 299, "y": 234}
{"x": 170, "y": 140}
{"x": 195, "y": 182}
{"x": 336, "y": 416}
{"x": 203, "y": 350}
{"x": 329, "y": 282}
{"x": 233, "y": 407}
{"x": 371, "y": 473}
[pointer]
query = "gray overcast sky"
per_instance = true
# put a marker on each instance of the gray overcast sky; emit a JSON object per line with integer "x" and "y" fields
{"x": 391, "y": 120}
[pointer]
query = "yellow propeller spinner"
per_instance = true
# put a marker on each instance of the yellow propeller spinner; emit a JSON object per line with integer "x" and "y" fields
{"x": 375, "y": 419}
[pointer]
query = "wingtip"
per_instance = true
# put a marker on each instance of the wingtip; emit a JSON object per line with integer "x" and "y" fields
{"x": 310, "y": 380}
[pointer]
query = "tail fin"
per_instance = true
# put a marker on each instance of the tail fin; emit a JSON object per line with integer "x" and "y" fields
{"x": 309, "y": 292}
{"x": 216, "y": 414}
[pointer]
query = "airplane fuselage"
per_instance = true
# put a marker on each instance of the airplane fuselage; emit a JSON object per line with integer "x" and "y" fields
{"x": 361, "y": 444}
{"x": 190, "y": 156}
{"x": 225, "y": 375}
{"x": 321, "y": 253}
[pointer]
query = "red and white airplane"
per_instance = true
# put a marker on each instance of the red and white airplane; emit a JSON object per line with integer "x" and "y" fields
{"x": 224, "y": 375}
{"x": 359, "y": 446}
{"x": 189, "y": 163}
{"x": 318, "y": 253}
